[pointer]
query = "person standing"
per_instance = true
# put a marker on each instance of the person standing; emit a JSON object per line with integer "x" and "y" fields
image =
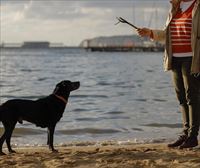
{"x": 182, "y": 56}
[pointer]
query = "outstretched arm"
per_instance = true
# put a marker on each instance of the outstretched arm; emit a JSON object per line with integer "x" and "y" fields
{"x": 157, "y": 35}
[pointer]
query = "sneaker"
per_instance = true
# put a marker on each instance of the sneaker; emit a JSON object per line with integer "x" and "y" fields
{"x": 180, "y": 141}
{"x": 189, "y": 143}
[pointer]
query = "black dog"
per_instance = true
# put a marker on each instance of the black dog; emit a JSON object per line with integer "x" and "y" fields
{"x": 44, "y": 112}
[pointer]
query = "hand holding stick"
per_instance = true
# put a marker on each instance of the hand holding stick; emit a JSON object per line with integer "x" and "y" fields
{"x": 143, "y": 32}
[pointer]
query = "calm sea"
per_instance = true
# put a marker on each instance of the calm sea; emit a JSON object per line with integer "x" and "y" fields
{"x": 123, "y": 98}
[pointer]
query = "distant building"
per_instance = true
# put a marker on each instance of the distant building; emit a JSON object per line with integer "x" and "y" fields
{"x": 120, "y": 43}
{"x": 36, "y": 44}
{"x": 113, "y": 41}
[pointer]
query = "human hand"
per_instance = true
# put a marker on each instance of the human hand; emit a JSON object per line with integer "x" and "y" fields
{"x": 144, "y": 32}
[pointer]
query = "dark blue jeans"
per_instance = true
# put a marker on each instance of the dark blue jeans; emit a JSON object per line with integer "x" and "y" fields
{"x": 187, "y": 89}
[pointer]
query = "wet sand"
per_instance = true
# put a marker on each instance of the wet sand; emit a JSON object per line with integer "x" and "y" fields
{"x": 112, "y": 156}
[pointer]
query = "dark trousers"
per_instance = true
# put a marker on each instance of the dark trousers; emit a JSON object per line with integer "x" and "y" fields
{"x": 187, "y": 89}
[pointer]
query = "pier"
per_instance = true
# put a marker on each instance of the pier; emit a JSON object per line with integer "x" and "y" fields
{"x": 125, "y": 49}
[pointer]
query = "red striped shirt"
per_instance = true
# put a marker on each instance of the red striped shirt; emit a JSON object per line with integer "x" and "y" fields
{"x": 181, "y": 28}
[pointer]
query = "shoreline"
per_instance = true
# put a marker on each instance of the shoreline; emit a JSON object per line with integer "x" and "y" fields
{"x": 108, "y": 156}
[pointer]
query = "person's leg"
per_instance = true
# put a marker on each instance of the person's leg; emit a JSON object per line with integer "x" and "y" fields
{"x": 192, "y": 91}
{"x": 181, "y": 96}
{"x": 178, "y": 81}
{"x": 185, "y": 118}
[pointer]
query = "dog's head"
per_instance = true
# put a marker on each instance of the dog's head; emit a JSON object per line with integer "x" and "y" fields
{"x": 65, "y": 87}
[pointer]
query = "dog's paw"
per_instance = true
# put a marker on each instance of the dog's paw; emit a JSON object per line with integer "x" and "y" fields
{"x": 54, "y": 151}
{"x": 20, "y": 120}
{"x": 2, "y": 153}
{"x": 12, "y": 151}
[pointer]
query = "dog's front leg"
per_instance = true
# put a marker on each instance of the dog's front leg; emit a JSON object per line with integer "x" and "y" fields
{"x": 9, "y": 134}
{"x": 50, "y": 138}
{"x": 2, "y": 139}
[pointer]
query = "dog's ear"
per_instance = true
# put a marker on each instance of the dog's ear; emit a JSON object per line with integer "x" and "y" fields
{"x": 66, "y": 83}
{"x": 58, "y": 86}
{"x": 56, "y": 89}
{"x": 63, "y": 83}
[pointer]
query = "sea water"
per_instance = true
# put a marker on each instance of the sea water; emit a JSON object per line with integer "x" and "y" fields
{"x": 124, "y": 97}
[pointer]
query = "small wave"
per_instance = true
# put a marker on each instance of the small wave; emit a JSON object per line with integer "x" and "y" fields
{"x": 18, "y": 132}
{"x": 42, "y": 79}
{"x": 118, "y": 117}
{"x": 126, "y": 86}
{"x": 22, "y": 97}
{"x": 6, "y": 85}
{"x": 97, "y": 143}
{"x": 115, "y": 112}
{"x": 102, "y": 118}
{"x": 88, "y": 103}
{"x": 104, "y": 84}
{"x": 137, "y": 129}
{"x": 115, "y": 84}
{"x": 150, "y": 70}
{"x": 29, "y": 70}
{"x": 139, "y": 81}
{"x": 80, "y": 110}
{"x": 14, "y": 91}
{"x": 88, "y": 131}
{"x": 177, "y": 125}
{"x": 88, "y": 119}
{"x": 9, "y": 97}
{"x": 114, "y": 142}
{"x": 159, "y": 100}
{"x": 26, "y": 70}
{"x": 160, "y": 87}
{"x": 141, "y": 100}
{"x": 89, "y": 96}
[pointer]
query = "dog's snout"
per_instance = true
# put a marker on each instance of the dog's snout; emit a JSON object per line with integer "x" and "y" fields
{"x": 77, "y": 84}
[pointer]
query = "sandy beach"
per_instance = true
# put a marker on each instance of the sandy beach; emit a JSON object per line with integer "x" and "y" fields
{"x": 111, "y": 156}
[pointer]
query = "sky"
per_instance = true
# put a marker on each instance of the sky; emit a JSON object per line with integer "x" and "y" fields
{"x": 71, "y": 21}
